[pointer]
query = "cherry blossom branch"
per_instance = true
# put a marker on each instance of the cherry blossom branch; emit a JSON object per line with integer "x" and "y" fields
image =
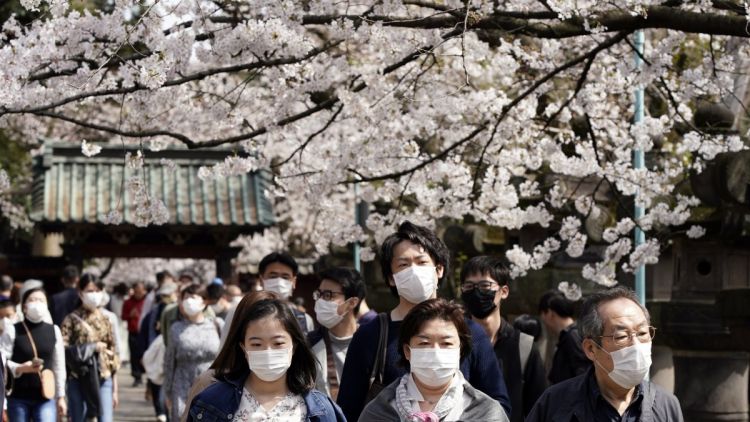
{"x": 309, "y": 139}
{"x": 606, "y": 44}
{"x": 395, "y": 175}
{"x": 615, "y": 21}
{"x": 175, "y": 82}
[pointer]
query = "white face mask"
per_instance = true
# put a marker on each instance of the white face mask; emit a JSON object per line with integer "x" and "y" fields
{"x": 91, "y": 300}
{"x": 105, "y": 300}
{"x": 278, "y": 285}
{"x": 416, "y": 283}
{"x": 327, "y": 313}
{"x": 271, "y": 364}
{"x": 35, "y": 311}
{"x": 193, "y": 306}
{"x": 631, "y": 364}
{"x": 434, "y": 367}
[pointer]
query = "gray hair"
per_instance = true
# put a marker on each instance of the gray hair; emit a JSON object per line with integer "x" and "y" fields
{"x": 590, "y": 324}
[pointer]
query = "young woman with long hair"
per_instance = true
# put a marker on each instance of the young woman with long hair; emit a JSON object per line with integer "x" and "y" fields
{"x": 265, "y": 372}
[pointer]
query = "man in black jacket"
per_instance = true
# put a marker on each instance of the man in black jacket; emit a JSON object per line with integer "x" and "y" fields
{"x": 617, "y": 340}
{"x": 66, "y": 301}
{"x": 557, "y": 313}
{"x": 484, "y": 285}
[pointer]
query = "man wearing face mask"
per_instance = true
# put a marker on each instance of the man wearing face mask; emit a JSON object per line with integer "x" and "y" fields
{"x": 413, "y": 261}
{"x": 617, "y": 340}
{"x": 215, "y": 298}
{"x": 278, "y": 274}
{"x": 337, "y": 301}
{"x": 484, "y": 285}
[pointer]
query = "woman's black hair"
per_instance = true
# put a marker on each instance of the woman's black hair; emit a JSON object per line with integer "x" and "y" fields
{"x": 28, "y": 293}
{"x": 86, "y": 279}
{"x": 231, "y": 361}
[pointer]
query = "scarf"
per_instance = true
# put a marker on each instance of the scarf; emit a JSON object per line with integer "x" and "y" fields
{"x": 408, "y": 407}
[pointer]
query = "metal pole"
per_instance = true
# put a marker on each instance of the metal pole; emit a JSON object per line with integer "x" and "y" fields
{"x": 638, "y": 163}
{"x": 357, "y": 247}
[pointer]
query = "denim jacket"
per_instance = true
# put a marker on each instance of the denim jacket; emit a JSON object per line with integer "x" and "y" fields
{"x": 219, "y": 401}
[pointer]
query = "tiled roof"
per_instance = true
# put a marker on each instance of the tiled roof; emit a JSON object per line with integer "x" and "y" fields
{"x": 71, "y": 188}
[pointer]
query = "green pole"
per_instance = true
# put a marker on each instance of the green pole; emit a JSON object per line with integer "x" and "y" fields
{"x": 638, "y": 163}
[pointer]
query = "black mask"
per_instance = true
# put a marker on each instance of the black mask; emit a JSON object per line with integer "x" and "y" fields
{"x": 479, "y": 303}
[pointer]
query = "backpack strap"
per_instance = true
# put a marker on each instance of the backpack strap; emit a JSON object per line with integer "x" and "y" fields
{"x": 301, "y": 319}
{"x": 379, "y": 368}
{"x": 525, "y": 343}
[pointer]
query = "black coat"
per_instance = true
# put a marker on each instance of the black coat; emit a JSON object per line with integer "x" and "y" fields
{"x": 570, "y": 401}
{"x": 569, "y": 360}
{"x": 82, "y": 363}
{"x": 523, "y": 390}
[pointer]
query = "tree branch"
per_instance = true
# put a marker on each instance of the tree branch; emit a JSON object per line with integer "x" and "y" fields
{"x": 174, "y": 82}
{"x": 423, "y": 164}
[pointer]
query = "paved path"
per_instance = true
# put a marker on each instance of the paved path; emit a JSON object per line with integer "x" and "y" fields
{"x": 133, "y": 406}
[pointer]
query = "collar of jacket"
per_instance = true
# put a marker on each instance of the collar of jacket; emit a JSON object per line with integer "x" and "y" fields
{"x": 314, "y": 400}
{"x": 579, "y": 404}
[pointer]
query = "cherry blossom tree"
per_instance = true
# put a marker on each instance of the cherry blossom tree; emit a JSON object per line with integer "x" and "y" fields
{"x": 510, "y": 112}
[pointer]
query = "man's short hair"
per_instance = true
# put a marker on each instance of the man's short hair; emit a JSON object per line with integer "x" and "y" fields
{"x": 162, "y": 275}
{"x": 591, "y": 324}
{"x": 214, "y": 291}
{"x": 419, "y": 235}
{"x": 349, "y": 279}
{"x": 555, "y": 300}
{"x": 495, "y": 267}
{"x": 6, "y": 283}
{"x": 281, "y": 258}
{"x": 70, "y": 274}
{"x": 193, "y": 289}
{"x": 527, "y": 324}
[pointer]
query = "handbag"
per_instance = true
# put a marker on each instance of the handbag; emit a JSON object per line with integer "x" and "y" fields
{"x": 46, "y": 376}
{"x": 376, "y": 377}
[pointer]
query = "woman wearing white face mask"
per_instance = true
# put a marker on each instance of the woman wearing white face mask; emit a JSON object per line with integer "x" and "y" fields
{"x": 37, "y": 345}
{"x": 433, "y": 339}
{"x": 194, "y": 343}
{"x": 89, "y": 339}
{"x": 265, "y": 372}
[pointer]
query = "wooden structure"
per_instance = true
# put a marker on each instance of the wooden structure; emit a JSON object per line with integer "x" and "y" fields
{"x": 72, "y": 194}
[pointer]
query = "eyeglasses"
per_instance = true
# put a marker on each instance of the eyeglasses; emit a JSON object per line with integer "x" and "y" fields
{"x": 484, "y": 285}
{"x": 325, "y": 294}
{"x": 622, "y": 338}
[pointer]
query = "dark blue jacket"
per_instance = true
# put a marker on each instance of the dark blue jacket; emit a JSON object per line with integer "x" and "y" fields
{"x": 481, "y": 368}
{"x": 219, "y": 401}
{"x": 63, "y": 303}
{"x": 572, "y": 401}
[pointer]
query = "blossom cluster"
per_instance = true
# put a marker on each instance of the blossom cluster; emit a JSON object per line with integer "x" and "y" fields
{"x": 382, "y": 104}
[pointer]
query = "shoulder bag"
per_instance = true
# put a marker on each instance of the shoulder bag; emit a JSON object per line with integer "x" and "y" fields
{"x": 46, "y": 376}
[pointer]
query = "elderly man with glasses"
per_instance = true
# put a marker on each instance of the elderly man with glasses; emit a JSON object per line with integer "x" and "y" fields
{"x": 617, "y": 338}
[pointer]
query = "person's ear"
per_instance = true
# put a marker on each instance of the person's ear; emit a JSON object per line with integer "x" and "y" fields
{"x": 407, "y": 352}
{"x": 589, "y": 348}
{"x": 391, "y": 281}
{"x": 294, "y": 282}
{"x": 439, "y": 269}
{"x": 348, "y": 305}
{"x": 504, "y": 292}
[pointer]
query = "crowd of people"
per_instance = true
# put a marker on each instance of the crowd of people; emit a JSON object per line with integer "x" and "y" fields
{"x": 211, "y": 351}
